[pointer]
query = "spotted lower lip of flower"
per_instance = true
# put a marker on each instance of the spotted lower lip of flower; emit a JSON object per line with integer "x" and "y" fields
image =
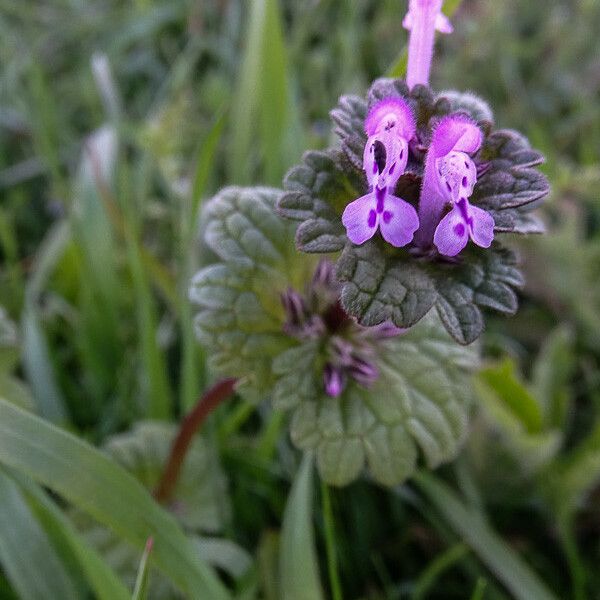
{"x": 423, "y": 18}
{"x": 390, "y": 126}
{"x": 464, "y": 221}
{"x": 449, "y": 179}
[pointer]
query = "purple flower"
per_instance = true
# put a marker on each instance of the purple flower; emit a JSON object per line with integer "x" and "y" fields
{"x": 390, "y": 125}
{"x": 350, "y": 349}
{"x": 422, "y": 19}
{"x": 334, "y": 380}
{"x": 449, "y": 179}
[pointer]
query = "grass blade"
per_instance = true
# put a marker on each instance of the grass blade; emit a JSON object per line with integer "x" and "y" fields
{"x": 27, "y": 556}
{"x": 38, "y": 368}
{"x": 263, "y": 97}
{"x": 298, "y": 559}
{"x": 500, "y": 559}
{"x": 140, "y": 591}
{"x": 102, "y": 580}
{"x": 91, "y": 481}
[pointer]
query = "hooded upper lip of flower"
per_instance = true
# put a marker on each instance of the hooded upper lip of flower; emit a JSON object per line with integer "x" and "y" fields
{"x": 390, "y": 125}
{"x": 449, "y": 178}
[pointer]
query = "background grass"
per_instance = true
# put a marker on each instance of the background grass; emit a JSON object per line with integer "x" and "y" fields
{"x": 118, "y": 118}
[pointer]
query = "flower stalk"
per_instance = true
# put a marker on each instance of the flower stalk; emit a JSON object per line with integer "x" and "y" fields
{"x": 190, "y": 425}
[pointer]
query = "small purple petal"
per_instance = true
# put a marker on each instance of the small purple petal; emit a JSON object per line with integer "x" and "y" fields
{"x": 482, "y": 226}
{"x": 451, "y": 235}
{"x": 387, "y": 330}
{"x": 324, "y": 274}
{"x": 401, "y": 223}
{"x": 392, "y": 115}
{"x": 334, "y": 381}
{"x": 442, "y": 24}
{"x": 363, "y": 371}
{"x": 358, "y": 221}
{"x": 294, "y": 306}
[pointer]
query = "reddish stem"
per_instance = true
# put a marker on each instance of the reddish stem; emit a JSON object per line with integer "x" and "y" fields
{"x": 188, "y": 428}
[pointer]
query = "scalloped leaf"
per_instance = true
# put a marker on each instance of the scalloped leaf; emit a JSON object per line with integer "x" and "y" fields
{"x": 419, "y": 403}
{"x": 469, "y": 103}
{"x": 486, "y": 281}
{"x": 240, "y": 316}
{"x": 242, "y": 228}
{"x": 379, "y": 288}
{"x": 240, "y": 321}
{"x": 314, "y": 193}
{"x": 377, "y": 291}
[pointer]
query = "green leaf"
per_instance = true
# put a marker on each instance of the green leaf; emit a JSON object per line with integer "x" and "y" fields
{"x": 487, "y": 280}
{"x": 239, "y": 325}
{"x": 39, "y": 369}
{"x": 552, "y": 371}
{"x": 224, "y": 554}
{"x": 199, "y": 501}
{"x": 99, "y": 487}
{"x": 240, "y": 314}
{"x": 420, "y": 402}
{"x": 242, "y": 228}
{"x": 262, "y": 103}
{"x": 569, "y": 480}
{"x": 311, "y": 189}
{"x": 10, "y": 386}
{"x": 469, "y": 103}
{"x": 513, "y": 394}
{"x": 471, "y": 526}
{"x": 376, "y": 291}
{"x": 298, "y": 558}
{"x": 24, "y": 544}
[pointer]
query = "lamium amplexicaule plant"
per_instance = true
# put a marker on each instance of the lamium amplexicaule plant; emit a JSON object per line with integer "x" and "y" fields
{"x": 354, "y": 296}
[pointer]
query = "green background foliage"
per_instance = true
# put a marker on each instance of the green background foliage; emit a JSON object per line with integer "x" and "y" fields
{"x": 117, "y": 120}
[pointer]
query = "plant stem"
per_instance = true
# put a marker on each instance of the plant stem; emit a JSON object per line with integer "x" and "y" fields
{"x": 330, "y": 547}
{"x": 188, "y": 428}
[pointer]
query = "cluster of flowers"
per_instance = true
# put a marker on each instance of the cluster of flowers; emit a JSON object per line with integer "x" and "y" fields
{"x": 449, "y": 178}
{"x": 450, "y": 173}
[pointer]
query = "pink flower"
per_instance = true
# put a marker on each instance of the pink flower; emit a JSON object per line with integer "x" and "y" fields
{"x": 449, "y": 179}
{"x": 390, "y": 125}
{"x": 422, "y": 19}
